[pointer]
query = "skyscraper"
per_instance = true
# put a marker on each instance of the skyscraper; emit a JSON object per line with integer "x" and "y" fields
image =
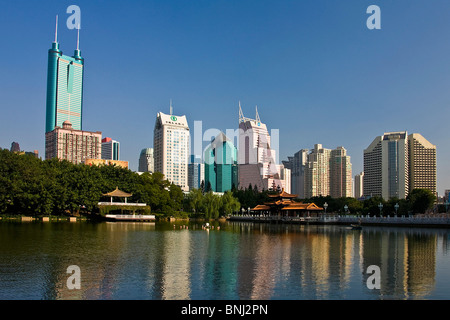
{"x": 386, "y": 166}
{"x": 110, "y": 149}
{"x": 297, "y": 165}
{"x": 171, "y": 148}
{"x": 256, "y": 158}
{"x": 72, "y": 145}
{"x": 317, "y": 172}
{"x": 422, "y": 163}
{"x": 395, "y": 164}
{"x": 196, "y": 173}
{"x": 146, "y": 161}
{"x": 221, "y": 164}
{"x": 64, "y": 87}
{"x": 359, "y": 185}
{"x": 340, "y": 173}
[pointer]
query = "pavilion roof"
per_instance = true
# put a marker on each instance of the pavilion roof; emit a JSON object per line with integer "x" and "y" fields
{"x": 118, "y": 193}
{"x": 283, "y": 194}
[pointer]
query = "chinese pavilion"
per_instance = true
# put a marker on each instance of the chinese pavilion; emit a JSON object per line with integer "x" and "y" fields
{"x": 283, "y": 204}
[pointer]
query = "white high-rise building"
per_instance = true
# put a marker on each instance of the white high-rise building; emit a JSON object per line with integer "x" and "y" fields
{"x": 359, "y": 184}
{"x": 257, "y": 160}
{"x": 386, "y": 166}
{"x": 110, "y": 149}
{"x": 171, "y": 148}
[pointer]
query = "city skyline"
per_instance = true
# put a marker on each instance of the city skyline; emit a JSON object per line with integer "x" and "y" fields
{"x": 313, "y": 68}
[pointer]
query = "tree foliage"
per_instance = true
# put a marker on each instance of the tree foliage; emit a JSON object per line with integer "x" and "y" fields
{"x": 34, "y": 187}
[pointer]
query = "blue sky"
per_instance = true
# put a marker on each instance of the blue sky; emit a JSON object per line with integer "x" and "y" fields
{"x": 313, "y": 68}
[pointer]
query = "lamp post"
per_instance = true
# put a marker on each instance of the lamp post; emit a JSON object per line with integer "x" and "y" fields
{"x": 380, "y": 206}
{"x": 345, "y": 208}
{"x": 396, "y": 209}
{"x": 325, "y": 205}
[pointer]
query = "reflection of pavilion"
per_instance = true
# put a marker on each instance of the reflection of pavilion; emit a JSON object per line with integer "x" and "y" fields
{"x": 111, "y": 209}
{"x": 284, "y": 206}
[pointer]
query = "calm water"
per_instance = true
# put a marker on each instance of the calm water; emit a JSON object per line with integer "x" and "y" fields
{"x": 239, "y": 261}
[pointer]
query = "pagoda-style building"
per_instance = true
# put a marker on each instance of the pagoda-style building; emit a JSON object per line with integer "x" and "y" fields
{"x": 283, "y": 205}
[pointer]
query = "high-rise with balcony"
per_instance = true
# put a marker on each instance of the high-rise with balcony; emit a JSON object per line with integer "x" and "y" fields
{"x": 76, "y": 146}
{"x": 422, "y": 163}
{"x": 64, "y": 87}
{"x": 171, "y": 148}
{"x": 317, "y": 172}
{"x": 386, "y": 166}
{"x": 395, "y": 164}
{"x": 340, "y": 173}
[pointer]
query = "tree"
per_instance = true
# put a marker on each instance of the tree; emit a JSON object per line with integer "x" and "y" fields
{"x": 421, "y": 200}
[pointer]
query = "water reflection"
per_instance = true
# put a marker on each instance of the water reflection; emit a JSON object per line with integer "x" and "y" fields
{"x": 239, "y": 261}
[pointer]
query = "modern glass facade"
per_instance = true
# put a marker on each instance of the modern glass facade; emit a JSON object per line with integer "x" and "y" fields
{"x": 64, "y": 89}
{"x": 221, "y": 164}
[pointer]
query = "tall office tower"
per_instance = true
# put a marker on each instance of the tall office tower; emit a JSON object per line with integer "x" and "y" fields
{"x": 340, "y": 173}
{"x": 146, "y": 163}
{"x": 221, "y": 164}
{"x": 297, "y": 165}
{"x": 257, "y": 160}
{"x": 422, "y": 163}
{"x": 386, "y": 166}
{"x": 15, "y": 147}
{"x": 359, "y": 184}
{"x": 110, "y": 149}
{"x": 317, "y": 172}
{"x": 72, "y": 145}
{"x": 171, "y": 148}
{"x": 64, "y": 87}
{"x": 196, "y": 173}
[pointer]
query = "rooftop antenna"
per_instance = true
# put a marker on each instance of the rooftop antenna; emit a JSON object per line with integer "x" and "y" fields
{"x": 78, "y": 38}
{"x": 171, "y": 108}
{"x": 56, "y": 30}
{"x": 241, "y": 114}
{"x": 257, "y": 115}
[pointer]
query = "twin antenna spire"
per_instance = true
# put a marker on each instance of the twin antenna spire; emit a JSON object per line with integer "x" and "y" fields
{"x": 241, "y": 115}
{"x": 56, "y": 34}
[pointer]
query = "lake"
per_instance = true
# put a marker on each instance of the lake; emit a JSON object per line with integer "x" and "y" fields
{"x": 239, "y": 261}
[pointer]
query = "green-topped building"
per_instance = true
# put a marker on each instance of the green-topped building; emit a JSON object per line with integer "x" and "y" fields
{"x": 221, "y": 164}
{"x": 64, "y": 87}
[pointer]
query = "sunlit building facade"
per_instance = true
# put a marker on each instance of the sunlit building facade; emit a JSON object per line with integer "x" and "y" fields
{"x": 171, "y": 148}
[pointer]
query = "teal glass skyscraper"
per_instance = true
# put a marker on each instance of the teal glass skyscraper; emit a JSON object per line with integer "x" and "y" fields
{"x": 64, "y": 87}
{"x": 221, "y": 164}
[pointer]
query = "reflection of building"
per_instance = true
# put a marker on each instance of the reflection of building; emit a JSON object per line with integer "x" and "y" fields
{"x": 97, "y": 162}
{"x": 395, "y": 164}
{"x": 407, "y": 262}
{"x": 171, "y": 148}
{"x": 110, "y": 149}
{"x": 196, "y": 173}
{"x": 257, "y": 159}
{"x": 221, "y": 164}
{"x": 72, "y": 145}
{"x": 146, "y": 163}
